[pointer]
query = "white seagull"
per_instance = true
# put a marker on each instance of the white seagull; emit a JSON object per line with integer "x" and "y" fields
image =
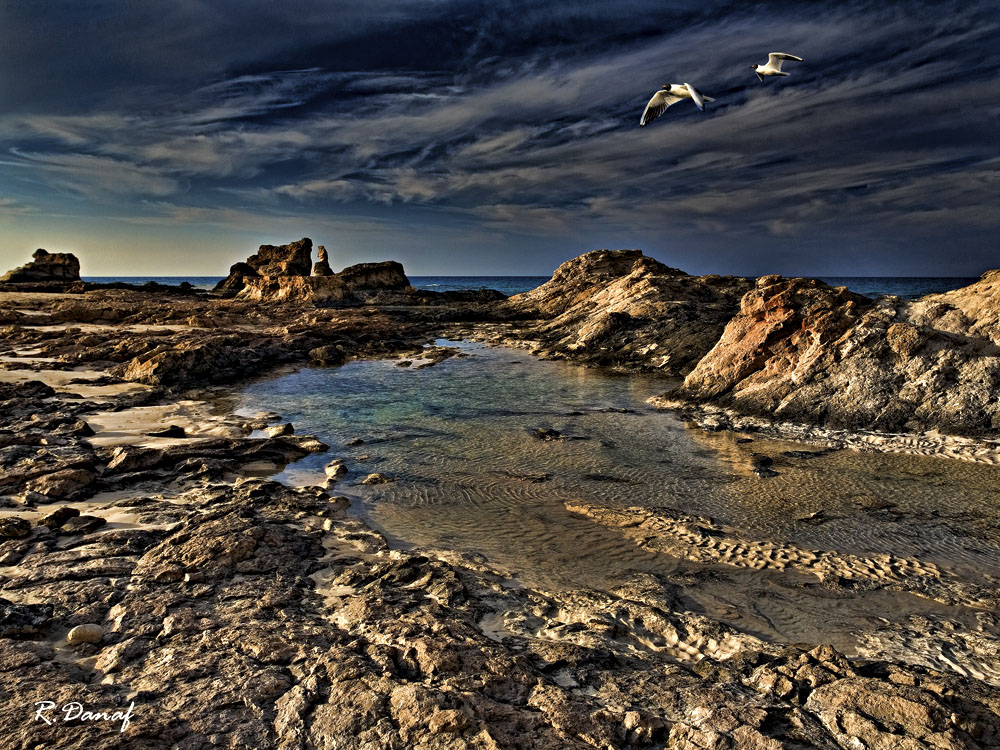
{"x": 773, "y": 67}
{"x": 670, "y": 94}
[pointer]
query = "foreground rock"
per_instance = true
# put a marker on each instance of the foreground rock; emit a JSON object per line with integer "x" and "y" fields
{"x": 801, "y": 351}
{"x": 263, "y": 617}
{"x": 45, "y": 268}
{"x": 621, "y": 308}
{"x": 287, "y": 273}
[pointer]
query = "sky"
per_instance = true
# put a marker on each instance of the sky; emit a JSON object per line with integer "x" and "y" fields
{"x": 481, "y": 138}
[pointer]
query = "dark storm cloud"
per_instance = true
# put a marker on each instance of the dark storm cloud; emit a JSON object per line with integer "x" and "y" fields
{"x": 520, "y": 120}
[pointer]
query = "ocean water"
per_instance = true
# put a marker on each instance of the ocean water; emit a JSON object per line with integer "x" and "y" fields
{"x": 907, "y": 287}
{"x": 470, "y": 476}
{"x": 872, "y": 286}
{"x": 201, "y": 282}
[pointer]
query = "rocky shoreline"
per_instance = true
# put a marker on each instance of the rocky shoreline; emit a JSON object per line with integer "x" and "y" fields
{"x": 235, "y": 611}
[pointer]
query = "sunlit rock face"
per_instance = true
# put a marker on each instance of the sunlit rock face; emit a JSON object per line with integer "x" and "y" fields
{"x": 281, "y": 273}
{"x": 46, "y": 267}
{"x": 802, "y": 351}
{"x": 621, "y": 308}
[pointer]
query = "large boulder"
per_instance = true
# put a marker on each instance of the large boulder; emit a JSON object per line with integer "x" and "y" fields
{"x": 293, "y": 259}
{"x": 388, "y": 275}
{"x": 46, "y": 267}
{"x": 802, "y": 351}
{"x": 621, "y": 308}
{"x": 784, "y": 326}
{"x": 233, "y": 284}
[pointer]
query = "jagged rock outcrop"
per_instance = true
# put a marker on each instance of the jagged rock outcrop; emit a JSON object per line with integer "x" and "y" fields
{"x": 619, "y": 307}
{"x": 322, "y": 265}
{"x": 801, "y": 351}
{"x": 282, "y": 274}
{"x": 293, "y": 259}
{"x": 46, "y": 267}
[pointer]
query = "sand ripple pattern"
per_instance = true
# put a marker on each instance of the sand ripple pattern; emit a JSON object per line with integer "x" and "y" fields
{"x": 702, "y": 540}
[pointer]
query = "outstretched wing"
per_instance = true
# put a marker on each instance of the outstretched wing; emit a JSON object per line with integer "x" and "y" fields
{"x": 774, "y": 59}
{"x": 697, "y": 97}
{"x": 656, "y": 107}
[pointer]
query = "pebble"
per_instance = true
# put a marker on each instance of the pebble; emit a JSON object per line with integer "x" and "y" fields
{"x": 335, "y": 469}
{"x": 89, "y": 633}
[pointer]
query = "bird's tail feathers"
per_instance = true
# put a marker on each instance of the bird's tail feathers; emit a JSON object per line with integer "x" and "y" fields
{"x": 707, "y": 98}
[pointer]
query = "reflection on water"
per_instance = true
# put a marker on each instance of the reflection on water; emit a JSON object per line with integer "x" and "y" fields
{"x": 470, "y": 474}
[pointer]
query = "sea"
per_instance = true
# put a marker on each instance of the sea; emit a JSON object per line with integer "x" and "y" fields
{"x": 906, "y": 287}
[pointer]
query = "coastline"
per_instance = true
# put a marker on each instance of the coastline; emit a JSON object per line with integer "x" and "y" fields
{"x": 237, "y": 608}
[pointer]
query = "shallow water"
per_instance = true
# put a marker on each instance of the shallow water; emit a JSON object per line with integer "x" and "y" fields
{"x": 470, "y": 475}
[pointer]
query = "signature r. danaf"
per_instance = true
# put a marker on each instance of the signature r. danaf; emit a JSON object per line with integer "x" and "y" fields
{"x": 75, "y": 711}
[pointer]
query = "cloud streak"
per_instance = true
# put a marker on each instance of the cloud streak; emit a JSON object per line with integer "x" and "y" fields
{"x": 526, "y": 126}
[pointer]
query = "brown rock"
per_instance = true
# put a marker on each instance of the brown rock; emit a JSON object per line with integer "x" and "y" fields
{"x": 293, "y": 259}
{"x": 62, "y": 484}
{"x": 46, "y": 267}
{"x": 13, "y": 527}
{"x": 621, "y": 308}
{"x": 322, "y": 265}
{"x": 59, "y": 516}
{"x": 783, "y": 326}
{"x": 801, "y": 351}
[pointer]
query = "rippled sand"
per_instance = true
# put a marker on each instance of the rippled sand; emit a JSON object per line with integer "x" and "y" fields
{"x": 845, "y": 547}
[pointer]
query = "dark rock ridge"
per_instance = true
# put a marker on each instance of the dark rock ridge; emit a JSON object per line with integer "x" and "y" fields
{"x": 801, "y": 351}
{"x": 621, "y": 308}
{"x": 46, "y": 267}
{"x": 282, "y": 273}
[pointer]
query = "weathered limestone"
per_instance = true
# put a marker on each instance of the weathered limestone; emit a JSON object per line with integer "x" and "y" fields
{"x": 282, "y": 274}
{"x": 623, "y": 309}
{"x": 801, "y": 351}
{"x": 46, "y": 267}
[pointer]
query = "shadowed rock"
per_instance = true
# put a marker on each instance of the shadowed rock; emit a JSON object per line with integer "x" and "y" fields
{"x": 322, "y": 265}
{"x": 46, "y": 267}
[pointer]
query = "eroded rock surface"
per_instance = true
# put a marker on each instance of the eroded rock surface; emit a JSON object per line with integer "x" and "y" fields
{"x": 243, "y": 613}
{"x": 621, "y": 308}
{"x": 802, "y": 351}
{"x": 262, "y": 616}
{"x": 44, "y": 268}
{"x": 282, "y": 273}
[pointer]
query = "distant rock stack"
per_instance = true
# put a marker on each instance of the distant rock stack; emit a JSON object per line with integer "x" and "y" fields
{"x": 322, "y": 265}
{"x": 45, "y": 268}
{"x": 293, "y": 259}
{"x": 286, "y": 273}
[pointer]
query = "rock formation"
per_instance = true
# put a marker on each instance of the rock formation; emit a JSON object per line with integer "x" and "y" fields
{"x": 45, "y": 268}
{"x": 282, "y": 273}
{"x": 322, "y": 265}
{"x": 801, "y": 351}
{"x": 619, "y": 307}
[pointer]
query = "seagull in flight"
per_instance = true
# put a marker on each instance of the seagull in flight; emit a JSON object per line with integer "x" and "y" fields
{"x": 773, "y": 67}
{"x": 670, "y": 94}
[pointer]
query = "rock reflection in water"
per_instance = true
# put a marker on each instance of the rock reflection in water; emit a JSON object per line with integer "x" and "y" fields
{"x": 471, "y": 475}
